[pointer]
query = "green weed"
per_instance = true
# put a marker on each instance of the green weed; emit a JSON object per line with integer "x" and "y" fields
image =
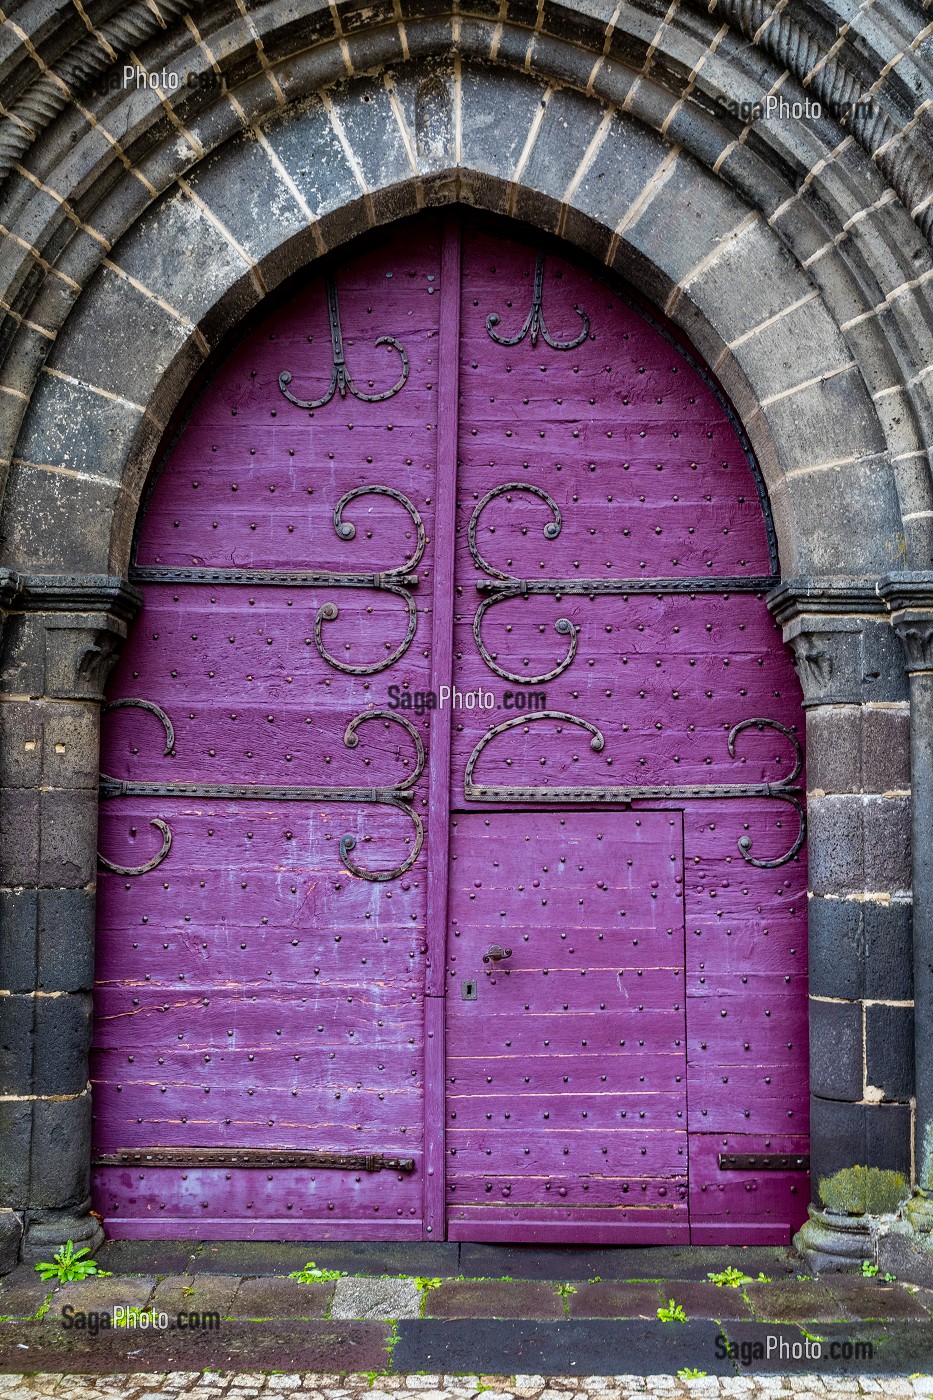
{"x": 69, "y": 1266}
{"x": 672, "y": 1313}
{"x": 312, "y": 1274}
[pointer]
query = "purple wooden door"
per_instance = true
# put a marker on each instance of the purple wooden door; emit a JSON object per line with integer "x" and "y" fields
{"x": 566, "y": 1057}
{"x": 456, "y": 462}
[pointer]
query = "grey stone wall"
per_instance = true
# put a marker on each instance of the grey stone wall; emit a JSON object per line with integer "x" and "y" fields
{"x": 140, "y": 224}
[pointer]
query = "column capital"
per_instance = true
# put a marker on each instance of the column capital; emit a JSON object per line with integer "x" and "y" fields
{"x": 64, "y": 633}
{"x": 909, "y": 598}
{"x": 838, "y": 631}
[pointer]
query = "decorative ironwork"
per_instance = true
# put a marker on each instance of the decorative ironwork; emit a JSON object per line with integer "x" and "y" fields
{"x": 764, "y": 1162}
{"x": 785, "y": 790}
{"x": 396, "y": 581}
{"x": 398, "y": 795}
{"x": 535, "y": 324}
{"x": 341, "y": 381}
{"x": 276, "y": 1157}
{"x": 501, "y": 586}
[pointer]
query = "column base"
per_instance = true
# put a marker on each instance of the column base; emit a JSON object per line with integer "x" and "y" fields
{"x": 11, "y": 1234}
{"x": 835, "y": 1243}
{"x": 47, "y": 1231}
{"x": 905, "y": 1246}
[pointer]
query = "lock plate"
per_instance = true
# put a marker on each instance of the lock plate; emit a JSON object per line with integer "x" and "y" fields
{"x": 468, "y": 990}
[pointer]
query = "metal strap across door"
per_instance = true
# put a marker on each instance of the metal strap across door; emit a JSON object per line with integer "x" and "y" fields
{"x": 454, "y": 648}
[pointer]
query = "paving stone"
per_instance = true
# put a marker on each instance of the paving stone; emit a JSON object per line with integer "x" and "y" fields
{"x": 615, "y": 1300}
{"x": 794, "y": 1302}
{"x": 195, "y": 1293}
{"x": 376, "y": 1298}
{"x": 281, "y": 1297}
{"x": 494, "y": 1299}
{"x": 103, "y": 1294}
{"x": 864, "y": 1298}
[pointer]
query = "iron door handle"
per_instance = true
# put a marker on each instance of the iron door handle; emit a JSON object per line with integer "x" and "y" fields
{"x": 496, "y": 954}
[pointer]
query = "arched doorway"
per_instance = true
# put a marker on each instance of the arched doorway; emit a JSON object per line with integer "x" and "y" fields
{"x": 466, "y": 897}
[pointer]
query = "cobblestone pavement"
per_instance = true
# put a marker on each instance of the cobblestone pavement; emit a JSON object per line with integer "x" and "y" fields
{"x": 239, "y": 1385}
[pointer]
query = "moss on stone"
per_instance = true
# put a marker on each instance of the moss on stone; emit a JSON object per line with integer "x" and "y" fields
{"x": 864, "y": 1191}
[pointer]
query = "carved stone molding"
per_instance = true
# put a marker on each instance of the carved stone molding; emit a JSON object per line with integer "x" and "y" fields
{"x": 840, "y": 637}
{"x": 910, "y": 600}
{"x": 64, "y": 634}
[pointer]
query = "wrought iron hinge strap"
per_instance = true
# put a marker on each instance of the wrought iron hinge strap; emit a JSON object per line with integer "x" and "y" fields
{"x": 501, "y": 586}
{"x": 764, "y": 1162}
{"x": 396, "y": 581}
{"x": 398, "y": 795}
{"x": 786, "y": 790}
{"x": 194, "y": 1157}
{"x": 535, "y": 324}
{"x": 341, "y": 381}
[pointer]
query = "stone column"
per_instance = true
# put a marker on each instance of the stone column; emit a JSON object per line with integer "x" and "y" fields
{"x": 61, "y": 639}
{"x": 858, "y": 803}
{"x": 910, "y": 598}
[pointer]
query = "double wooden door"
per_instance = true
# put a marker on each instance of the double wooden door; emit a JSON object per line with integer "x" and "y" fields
{"x": 451, "y": 825}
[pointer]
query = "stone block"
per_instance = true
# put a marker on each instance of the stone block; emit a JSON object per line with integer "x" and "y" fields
{"x": 375, "y": 1298}
{"x": 45, "y": 1152}
{"x": 860, "y": 948}
{"x": 177, "y": 253}
{"x": 68, "y": 425}
{"x": 309, "y": 149}
{"x": 889, "y": 1050}
{"x": 794, "y": 1301}
{"x": 426, "y": 97}
{"x": 569, "y": 122}
{"x": 802, "y": 345}
{"x": 498, "y": 108}
{"x": 830, "y": 506}
{"x": 46, "y": 940}
{"x": 281, "y": 1297}
{"x": 856, "y": 1134}
{"x": 102, "y": 1294}
{"x": 753, "y": 279}
{"x": 494, "y": 1298}
{"x": 886, "y": 834}
{"x": 834, "y": 749}
{"x": 68, "y": 835}
{"x": 617, "y": 1300}
{"x": 687, "y": 218}
{"x": 11, "y": 1233}
{"x": 372, "y": 130}
{"x": 873, "y": 1300}
{"x": 57, "y": 522}
{"x": 191, "y": 1293}
{"x": 100, "y": 343}
{"x": 836, "y": 1049}
{"x": 901, "y": 1251}
{"x": 836, "y": 862}
{"x": 44, "y": 1043}
{"x": 22, "y": 1292}
{"x": 19, "y": 837}
{"x": 885, "y": 750}
{"x": 242, "y": 188}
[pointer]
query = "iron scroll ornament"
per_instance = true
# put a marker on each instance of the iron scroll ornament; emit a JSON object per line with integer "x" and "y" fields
{"x": 397, "y": 581}
{"x": 501, "y": 586}
{"x": 398, "y": 795}
{"x": 535, "y": 324}
{"x": 341, "y": 381}
{"x": 786, "y": 790}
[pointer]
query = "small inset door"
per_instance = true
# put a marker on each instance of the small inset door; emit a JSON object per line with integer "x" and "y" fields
{"x": 566, "y": 1059}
